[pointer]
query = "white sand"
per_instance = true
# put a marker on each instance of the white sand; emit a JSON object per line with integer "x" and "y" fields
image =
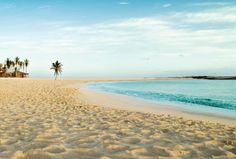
{"x": 38, "y": 121}
{"x": 124, "y": 102}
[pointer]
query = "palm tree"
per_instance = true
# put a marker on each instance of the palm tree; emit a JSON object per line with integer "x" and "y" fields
{"x": 12, "y": 63}
{"x": 21, "y": 64}
{"x": 1, "y": 67}
{"x": 8, "y": 63}
{"x": 26, "y": 64}
{"x": 4, "y": 68}
{"x": 57, "y": 67}
{"x": 17, "y": 60}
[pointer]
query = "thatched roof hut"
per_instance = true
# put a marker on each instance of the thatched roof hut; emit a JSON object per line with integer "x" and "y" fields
{"x": 17, "y": 74}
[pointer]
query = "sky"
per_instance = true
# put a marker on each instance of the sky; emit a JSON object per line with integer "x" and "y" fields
{"x": 121, "y": 38}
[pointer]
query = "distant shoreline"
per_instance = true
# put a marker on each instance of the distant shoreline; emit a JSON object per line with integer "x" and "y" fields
{"x": 101, "y": 79}
{"x": 214, "y": 77}
{"x": 194, "y": 77}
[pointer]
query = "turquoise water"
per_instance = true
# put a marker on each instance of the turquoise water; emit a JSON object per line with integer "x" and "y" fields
{"x": 203, "y": 96}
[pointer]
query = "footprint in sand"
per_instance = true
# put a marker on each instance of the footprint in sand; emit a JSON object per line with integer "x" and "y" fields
{"x": 10, "y": 141}
{"x": 116, "y": 148}
{"x": 55, "y": 149}
{"x": 38, "y": 145}
{"x": 131, "y": 140}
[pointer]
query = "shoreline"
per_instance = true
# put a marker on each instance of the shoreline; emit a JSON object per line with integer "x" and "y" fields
{"x": 124, "y": 102}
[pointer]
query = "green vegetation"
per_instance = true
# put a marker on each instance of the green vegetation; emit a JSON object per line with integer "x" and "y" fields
{"x": 13, "y": 68}
{"x": 57, "y": 67}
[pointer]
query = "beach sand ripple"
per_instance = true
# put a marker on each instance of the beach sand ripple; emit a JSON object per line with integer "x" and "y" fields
{"x": 40, "y": 121}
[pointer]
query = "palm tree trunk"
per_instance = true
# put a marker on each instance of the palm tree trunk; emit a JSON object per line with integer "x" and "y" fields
{"x": 54, "y": 83}
{"x": 15, "y": 71}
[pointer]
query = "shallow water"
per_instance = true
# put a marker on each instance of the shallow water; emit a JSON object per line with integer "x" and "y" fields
{"x": 203, "y": 96}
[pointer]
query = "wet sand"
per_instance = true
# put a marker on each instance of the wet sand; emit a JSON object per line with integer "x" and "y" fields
{"x": 124, "y": 102}
{"x": 41, "y": 121}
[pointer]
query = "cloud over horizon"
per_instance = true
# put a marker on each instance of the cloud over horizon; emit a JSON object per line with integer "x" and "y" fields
{"x": 178, "y": 41}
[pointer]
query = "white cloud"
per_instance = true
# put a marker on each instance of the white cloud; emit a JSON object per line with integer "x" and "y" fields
{"x": 210, "y": 4}
{"x": 155, "y": 37}
{"x": 219, "y": 15}
{"x": 124, "y": 3}
{"x": 166, "y": 5}
{"x": 147, "y": 44}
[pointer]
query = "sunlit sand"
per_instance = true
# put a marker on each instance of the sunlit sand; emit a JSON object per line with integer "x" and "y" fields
{"x": 41, "y": 119}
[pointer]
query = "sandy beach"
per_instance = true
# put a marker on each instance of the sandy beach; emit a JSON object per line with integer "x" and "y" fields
{"x": 40, "y": 119}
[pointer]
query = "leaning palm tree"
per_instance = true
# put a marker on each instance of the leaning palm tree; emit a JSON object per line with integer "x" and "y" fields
{"x": 26, "y": 64}
{"x": 12, "y": 63}
{"x": 57, "y": 67}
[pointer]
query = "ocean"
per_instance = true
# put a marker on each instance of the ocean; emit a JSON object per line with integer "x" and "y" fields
{"x": 217, "y": 97}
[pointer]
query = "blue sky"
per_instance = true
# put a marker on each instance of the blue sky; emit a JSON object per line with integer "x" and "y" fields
{"x": 130, "y": 38}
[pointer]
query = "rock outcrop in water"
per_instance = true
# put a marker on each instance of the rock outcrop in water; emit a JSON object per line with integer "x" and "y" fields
{"x": 214, "y": 77}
